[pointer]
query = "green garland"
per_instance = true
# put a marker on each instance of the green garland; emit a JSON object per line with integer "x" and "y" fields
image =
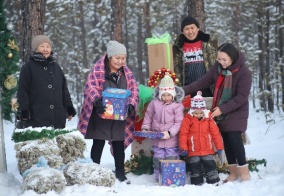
{"x": 9, "y": 58}
{"x": 253, "y": 163}
{"x": 35, "y": 135}
{"x": 139, "y": 164}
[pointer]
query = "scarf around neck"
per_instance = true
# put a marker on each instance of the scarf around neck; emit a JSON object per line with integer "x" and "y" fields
{"x": 223, "y": 87}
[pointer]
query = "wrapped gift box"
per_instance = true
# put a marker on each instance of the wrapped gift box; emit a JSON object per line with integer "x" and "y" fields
{"x": 172, "y": 173}
{"x": 148, "y": 134}
{"x": 116, "y": 102}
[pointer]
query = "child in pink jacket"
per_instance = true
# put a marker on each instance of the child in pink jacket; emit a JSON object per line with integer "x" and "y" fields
{"x": 165, "y": 114}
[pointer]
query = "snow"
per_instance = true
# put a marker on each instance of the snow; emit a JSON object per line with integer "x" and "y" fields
{"x": 267, "y": 142}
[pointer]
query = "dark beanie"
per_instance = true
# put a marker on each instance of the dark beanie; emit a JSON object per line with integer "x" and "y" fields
{"x": 188, "y": 21}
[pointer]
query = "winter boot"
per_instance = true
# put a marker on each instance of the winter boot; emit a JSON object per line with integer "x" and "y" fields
{"x": 156, "y": 161}
{"x": 119, "y": 155}
{"x": 244, "y": 172}
{"x": 120, "y": 175}
{"x": 97, "y": 150}
{"x": 233, "y": 173}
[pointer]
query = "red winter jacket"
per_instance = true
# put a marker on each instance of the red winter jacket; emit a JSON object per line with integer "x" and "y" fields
{"x": 199, "y": 137}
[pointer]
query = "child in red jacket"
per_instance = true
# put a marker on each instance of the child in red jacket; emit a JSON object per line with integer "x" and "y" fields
{"x": 197, "y": 137}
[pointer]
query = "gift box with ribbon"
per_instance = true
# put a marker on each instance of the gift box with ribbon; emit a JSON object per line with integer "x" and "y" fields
{"x": 116, "y": 101}
{"x": 159, "y": 52}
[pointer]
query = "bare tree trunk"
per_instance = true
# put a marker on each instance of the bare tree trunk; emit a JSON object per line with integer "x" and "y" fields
{"x": 33, "y": 14}
{"x": 116, "y": 20}
{"x": 236, "y": 20}
{"x": 147, "y": 34}
{"x": 261, "y": 60}
{"x": 196, "y": 10}
{"x": 139, "y": 45}
{"x": 267, "y": 64}
{"x": 83, "y": 37}
{"x": 281, "y": 52}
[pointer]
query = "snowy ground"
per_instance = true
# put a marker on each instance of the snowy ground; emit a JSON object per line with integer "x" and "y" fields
{"x": 267, "y": 141}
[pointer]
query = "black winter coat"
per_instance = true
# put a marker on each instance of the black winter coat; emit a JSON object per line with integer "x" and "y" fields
{"x": 43, "y": 95}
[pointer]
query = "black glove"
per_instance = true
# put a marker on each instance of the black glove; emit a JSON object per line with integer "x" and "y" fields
{"x": 130, "y": 109}
{"x": 21, "y": 124}
{"x": 100, "y": 107}
{"x": 24, "y": 115}
{"x": 71, "y": 111}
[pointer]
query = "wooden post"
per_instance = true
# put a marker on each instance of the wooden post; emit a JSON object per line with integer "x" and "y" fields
{"x": 3, "y": 164}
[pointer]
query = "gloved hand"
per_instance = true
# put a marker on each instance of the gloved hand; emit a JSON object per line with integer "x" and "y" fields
{"x": 183, "y": 152}
{"x": 166, "y": 135}
{"x": 130, "y": 109}
{"x": 222, "y": 156}
{"x": 100, "y": 107}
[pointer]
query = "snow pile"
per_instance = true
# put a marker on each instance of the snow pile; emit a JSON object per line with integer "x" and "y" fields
{"x": 88, "y": 172}
{"x": 72, "y": 147}
{"x": 28, "y": 153}
{"x": 58, "y": 151}
{"x": 43, "y": 180}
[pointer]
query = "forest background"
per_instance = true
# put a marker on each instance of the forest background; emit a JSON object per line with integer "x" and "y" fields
{"x": 80, "y": 29}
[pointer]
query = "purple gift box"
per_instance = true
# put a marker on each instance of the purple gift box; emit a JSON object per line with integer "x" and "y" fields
{"x": 116, "y": 102}
{"x": 149, "y": 134}
{"x": 172, "y": 173}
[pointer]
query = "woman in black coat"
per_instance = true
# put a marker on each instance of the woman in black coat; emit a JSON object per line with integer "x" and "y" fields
{"x": 43, "y": 96}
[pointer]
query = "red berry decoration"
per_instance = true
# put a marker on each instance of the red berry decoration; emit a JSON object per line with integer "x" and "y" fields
{"x": 158, "y": 74}
{"x": 164, "y": 70}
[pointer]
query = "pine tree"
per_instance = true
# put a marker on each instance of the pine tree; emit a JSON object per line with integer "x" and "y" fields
{"x": 9, "y": 58}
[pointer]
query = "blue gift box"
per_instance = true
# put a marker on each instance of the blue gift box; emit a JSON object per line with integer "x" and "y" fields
{"x": 116, "y": 102}
{"x": 172, "y": 173}
{"x": 149, "y": 134}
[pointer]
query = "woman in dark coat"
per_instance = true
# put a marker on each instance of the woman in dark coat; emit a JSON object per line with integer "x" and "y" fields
{"x": 109, "y": 71}
{"x": 43, "y": 96}
{"x": 230, "y": 108}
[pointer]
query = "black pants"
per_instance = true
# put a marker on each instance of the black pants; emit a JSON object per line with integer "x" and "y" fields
{"x": 199, "y": 163}
{"x": 118, "y": 152}
{"x": 234, "y": 147}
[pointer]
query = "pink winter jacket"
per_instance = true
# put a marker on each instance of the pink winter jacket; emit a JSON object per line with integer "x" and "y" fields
{"x": 165, "y": 117}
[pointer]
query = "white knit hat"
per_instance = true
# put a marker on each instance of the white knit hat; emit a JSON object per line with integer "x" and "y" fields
{"x": 197, "y": 102}
{"x": 37, "y": 40}
{"x": 167, "y": 85}
{"x": 115, "y": 48}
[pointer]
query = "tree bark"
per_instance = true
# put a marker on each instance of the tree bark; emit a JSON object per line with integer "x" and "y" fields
{"x": 281, "y": 49}
{"x": 33, "y": 19}
{"x": 116, "y": 20}
{"x": 196, "y": 10}
{"x": 236, "y": 20}
{"x": 267, "y": 64}
{"x": 83, "y": 37}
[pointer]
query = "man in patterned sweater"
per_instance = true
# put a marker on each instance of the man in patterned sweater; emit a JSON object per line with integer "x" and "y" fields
{"x": 192, "y": 54}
